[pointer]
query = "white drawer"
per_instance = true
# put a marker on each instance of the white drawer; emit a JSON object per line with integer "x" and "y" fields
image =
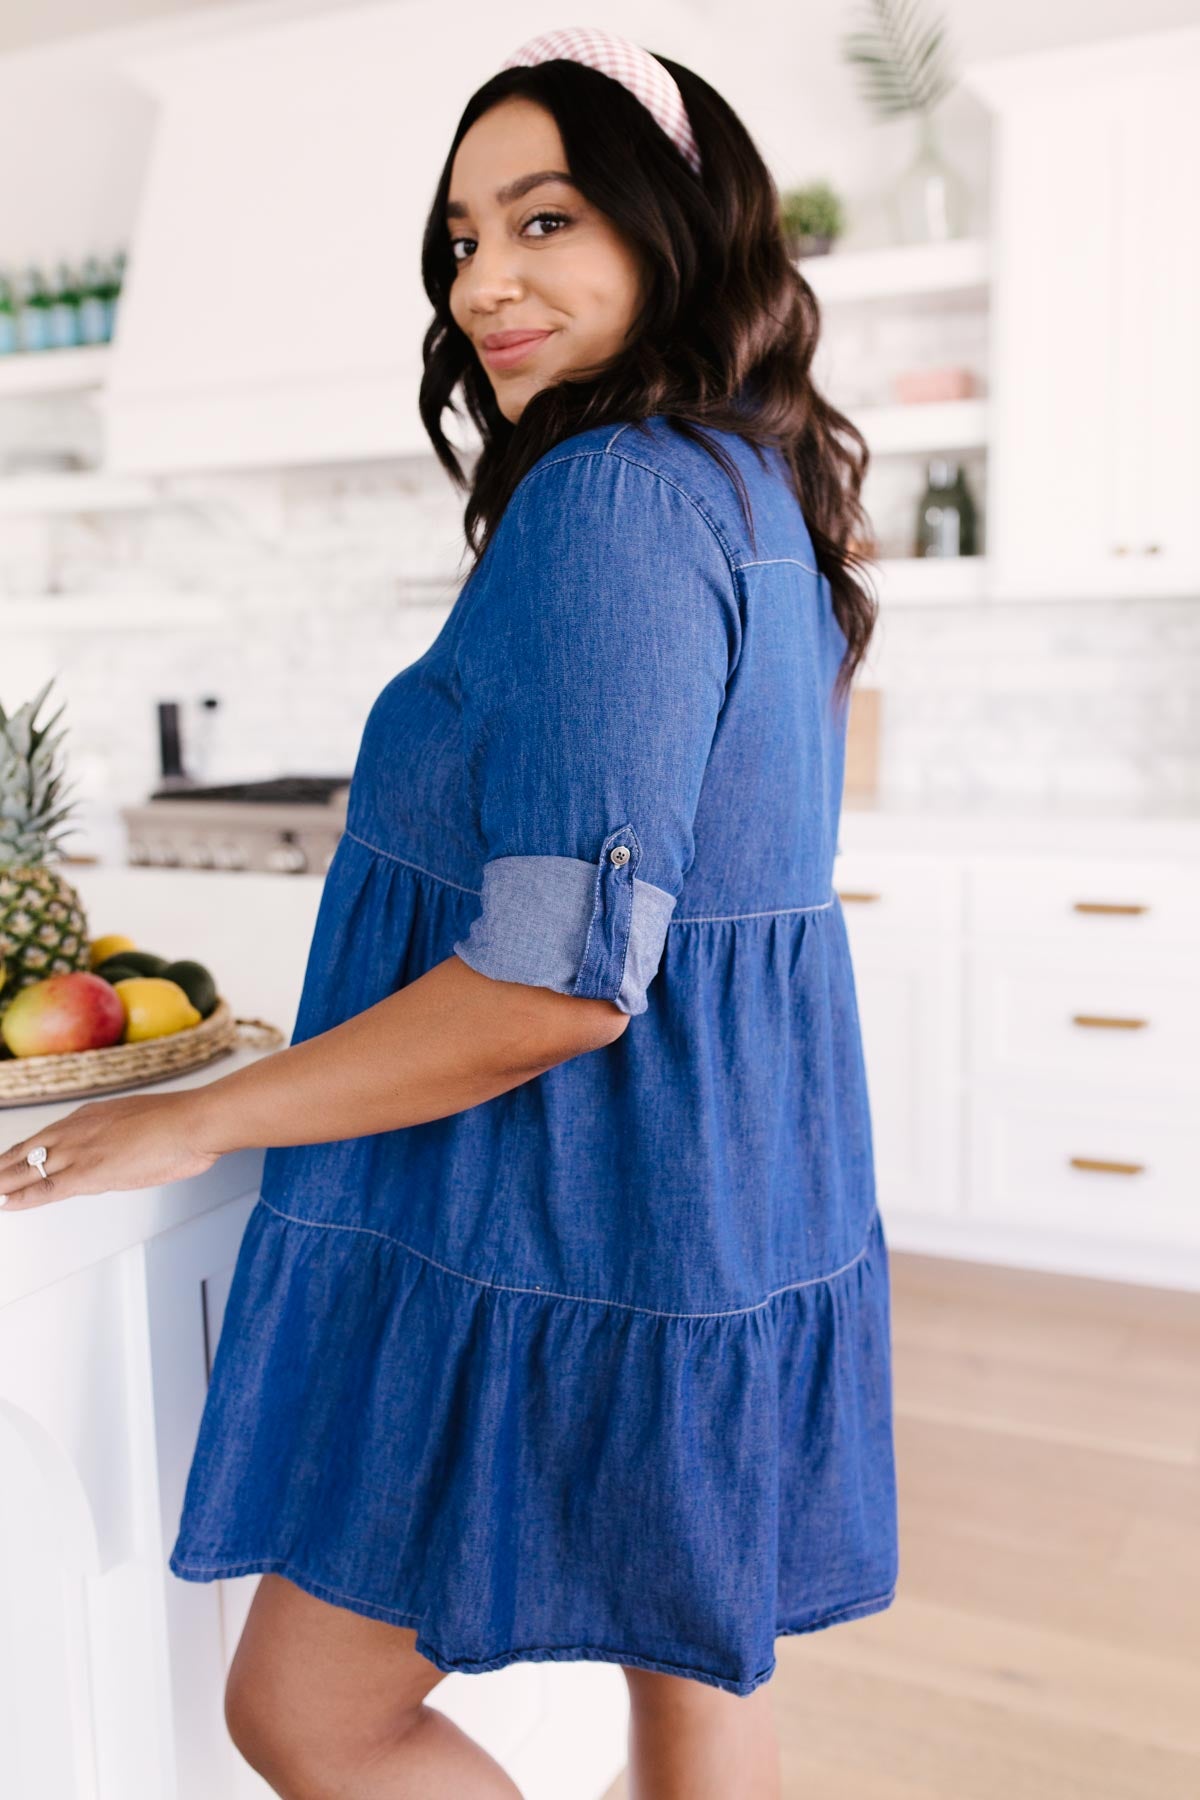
{"x": 902, "y": 891}
{"x": 1107, "y": 906}
{"x": 1093, "y": 1023}
{"x": 1117, "y": 1171}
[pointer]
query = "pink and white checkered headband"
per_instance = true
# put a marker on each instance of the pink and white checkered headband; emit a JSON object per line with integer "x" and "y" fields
{"x": 625, "y": 62}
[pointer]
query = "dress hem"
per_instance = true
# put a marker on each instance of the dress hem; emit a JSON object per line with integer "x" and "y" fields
{"x": 189, "y": 1570}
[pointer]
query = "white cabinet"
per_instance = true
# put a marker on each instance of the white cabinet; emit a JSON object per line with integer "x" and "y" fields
{"x": 1084, "y": 1002}
{"x": 1031, "y": 1028}
{"x": 903, "y": 918}
{"x": 1095, "y": 371}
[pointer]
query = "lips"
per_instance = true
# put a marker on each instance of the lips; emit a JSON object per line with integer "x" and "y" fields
{"x": 503, "y": 340}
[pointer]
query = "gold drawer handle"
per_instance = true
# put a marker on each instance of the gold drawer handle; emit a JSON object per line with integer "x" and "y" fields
{"x": 853, "y": 899}
{"x": 1097, "y": 1022}
{"x": 1096, "y": 1165}
{"x": 1128, "y": 909}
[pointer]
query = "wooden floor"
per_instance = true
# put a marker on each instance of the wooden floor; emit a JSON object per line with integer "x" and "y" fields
{"x": 1044, "y": 1643}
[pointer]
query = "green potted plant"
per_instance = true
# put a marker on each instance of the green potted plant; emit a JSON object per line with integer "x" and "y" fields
{"x": 812, "y": 217}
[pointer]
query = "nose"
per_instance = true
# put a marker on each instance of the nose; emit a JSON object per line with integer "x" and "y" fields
{"x": 490, "y": 275}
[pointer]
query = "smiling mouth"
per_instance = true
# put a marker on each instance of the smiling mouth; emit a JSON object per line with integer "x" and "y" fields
{"x": 503, "y": 356}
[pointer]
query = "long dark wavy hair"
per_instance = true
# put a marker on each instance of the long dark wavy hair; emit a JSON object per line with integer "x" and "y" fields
{"x": 725, "y": 337}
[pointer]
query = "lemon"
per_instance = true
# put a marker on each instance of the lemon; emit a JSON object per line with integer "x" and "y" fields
{"x": 103, "y": 947}
{"x": 154, "y": 1007}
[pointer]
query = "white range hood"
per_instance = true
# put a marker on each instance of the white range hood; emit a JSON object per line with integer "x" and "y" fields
{"x": 273, "y": 311}
{"x": 273, "y": 308}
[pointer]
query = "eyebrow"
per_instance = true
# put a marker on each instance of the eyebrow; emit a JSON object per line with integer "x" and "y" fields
{"x": 455, "y": 209}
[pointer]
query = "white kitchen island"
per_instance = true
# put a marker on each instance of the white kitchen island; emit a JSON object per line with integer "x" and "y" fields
{"x": 112, "y": 1670}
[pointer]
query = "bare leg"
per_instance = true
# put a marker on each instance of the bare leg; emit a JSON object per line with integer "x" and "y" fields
{"x": 328, "y": 1705}
{"x": 691, "y": 1741}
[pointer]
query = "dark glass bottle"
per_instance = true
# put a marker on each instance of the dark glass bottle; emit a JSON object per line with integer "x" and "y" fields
{"x": 946, "y": 513}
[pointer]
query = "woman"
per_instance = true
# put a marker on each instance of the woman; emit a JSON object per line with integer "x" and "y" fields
{"x": 560, "y": 1330}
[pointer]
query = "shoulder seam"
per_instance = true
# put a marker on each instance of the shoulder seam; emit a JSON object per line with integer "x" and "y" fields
{"x": 667, "y": 480}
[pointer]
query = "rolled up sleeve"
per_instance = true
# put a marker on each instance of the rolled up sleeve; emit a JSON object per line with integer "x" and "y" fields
{"x": 593, "y": 664}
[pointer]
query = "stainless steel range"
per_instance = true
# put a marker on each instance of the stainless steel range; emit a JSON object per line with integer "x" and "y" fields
{"x": 289, "y": 825}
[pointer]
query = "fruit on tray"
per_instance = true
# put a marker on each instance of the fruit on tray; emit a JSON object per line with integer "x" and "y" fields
{"x": 153, "y": 1007}
{"x": 131, "y": 962}
{"x": 196, "y": 983}
{"x": 43, "y": 927}
{"x": 77, "y": 1011}
{"x": 101, "y": 948}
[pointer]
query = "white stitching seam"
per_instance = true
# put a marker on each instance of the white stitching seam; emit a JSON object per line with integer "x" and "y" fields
{"x": 584, "y": 1299}
{"x": 699, "y": 919}
{"x": 766, "y": 562}
{"x": 391, "y": 855}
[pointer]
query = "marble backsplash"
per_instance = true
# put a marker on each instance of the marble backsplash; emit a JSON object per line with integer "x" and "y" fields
{"x": 294, "y": 598}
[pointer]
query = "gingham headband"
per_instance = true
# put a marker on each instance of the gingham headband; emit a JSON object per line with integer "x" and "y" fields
{"x": 625, "y": 62}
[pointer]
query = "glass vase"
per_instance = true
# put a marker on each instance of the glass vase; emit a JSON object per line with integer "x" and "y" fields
{"x": 929, "y": 202}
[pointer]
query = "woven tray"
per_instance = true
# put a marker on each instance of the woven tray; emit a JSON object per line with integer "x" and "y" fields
{"x": 26, "y": 1079}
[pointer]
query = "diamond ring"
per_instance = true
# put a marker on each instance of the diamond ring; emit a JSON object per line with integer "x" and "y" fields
{"x": 37, "y": 1157}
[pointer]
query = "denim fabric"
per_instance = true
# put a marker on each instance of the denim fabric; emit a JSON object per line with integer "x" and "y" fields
{"x": 562, "y": 923}
{"x": 598, "y": 1369}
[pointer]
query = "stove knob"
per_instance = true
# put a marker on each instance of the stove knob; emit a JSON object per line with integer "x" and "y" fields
{"x": 199, "y": 856}
{"x": 136, "y": 851}
{"x": 229, "y": 856}
{"x": 165, "y": 856}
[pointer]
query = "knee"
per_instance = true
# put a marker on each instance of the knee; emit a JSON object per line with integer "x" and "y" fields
{"x": 308, "y": 1757}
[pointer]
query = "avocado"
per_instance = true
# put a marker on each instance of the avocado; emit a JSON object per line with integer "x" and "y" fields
{"x": 196, "y": 983}
{"x": 132, "y": 962}
{"x": 116, "y": 969}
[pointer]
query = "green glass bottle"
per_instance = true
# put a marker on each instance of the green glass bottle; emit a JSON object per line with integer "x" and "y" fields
{"x": 63, "y": 316}
{"x": 93, "y": 310}
{"x": 946, "y": 511}
{"x": 33, "y": 330}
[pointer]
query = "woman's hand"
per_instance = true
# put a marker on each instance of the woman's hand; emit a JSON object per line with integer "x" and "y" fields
{"x": 104, "y": 1146}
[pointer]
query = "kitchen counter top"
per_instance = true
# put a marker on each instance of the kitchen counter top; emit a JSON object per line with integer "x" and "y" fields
{"x": 991, "y": 828}
{"x": 253, "y": 932}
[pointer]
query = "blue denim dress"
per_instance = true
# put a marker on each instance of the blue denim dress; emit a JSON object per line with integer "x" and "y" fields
{"x": 598, "y": 1369}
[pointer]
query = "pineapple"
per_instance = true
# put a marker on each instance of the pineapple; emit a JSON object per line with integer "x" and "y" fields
{"x": 43, "y": 928}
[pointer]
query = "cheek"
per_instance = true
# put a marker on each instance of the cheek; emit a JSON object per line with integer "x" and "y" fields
{"x": 607, "y": 293}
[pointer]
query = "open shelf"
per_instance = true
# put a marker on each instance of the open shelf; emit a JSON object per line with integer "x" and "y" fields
{"x": 76, "y": 491}
{"x": 963, "y": 265}
{"x": 31, "y": 372}
{"x": 932, "y": 426}
{"x": 49, "y": 613}
{"x": 929, "y": 580}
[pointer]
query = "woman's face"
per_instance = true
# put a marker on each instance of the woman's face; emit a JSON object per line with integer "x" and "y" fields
{"x": 533, "y": 256}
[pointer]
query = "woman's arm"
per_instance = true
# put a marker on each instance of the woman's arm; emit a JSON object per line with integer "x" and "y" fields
{"x": 446, "y": 1041}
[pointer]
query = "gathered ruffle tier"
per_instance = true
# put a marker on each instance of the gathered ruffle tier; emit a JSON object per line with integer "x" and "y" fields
{"x": 524, "y": 1477}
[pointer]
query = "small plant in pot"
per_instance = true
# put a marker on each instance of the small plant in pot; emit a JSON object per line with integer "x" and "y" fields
{"x": 812, "y": 218}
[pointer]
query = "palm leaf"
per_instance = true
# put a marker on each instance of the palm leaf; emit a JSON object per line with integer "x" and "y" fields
{"x": 903, "y": 60}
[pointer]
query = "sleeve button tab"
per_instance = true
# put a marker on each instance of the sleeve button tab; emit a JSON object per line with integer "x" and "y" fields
{"x": 619, "y": 855}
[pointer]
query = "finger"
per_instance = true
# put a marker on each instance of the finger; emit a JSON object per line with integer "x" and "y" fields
{"x": 15, "y": 1163}
{"x": 24, "y": 1192}
{"x": 15, "y": 1157}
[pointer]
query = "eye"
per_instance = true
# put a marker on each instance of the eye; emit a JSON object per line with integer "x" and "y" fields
{"x": 555, "y": 218}
{"x": 552, "y": 218}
